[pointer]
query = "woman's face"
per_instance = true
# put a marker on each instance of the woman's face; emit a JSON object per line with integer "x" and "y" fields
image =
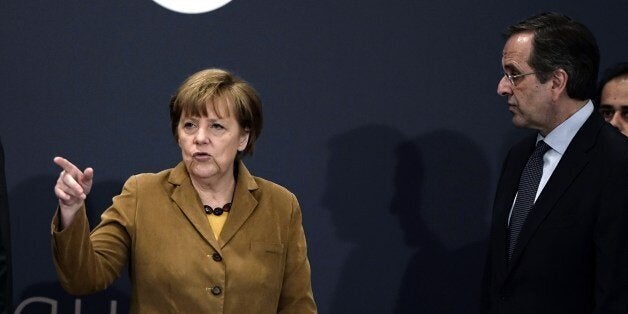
{"x": 209, "y": 144}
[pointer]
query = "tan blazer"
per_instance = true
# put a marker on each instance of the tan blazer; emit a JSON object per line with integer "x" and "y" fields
{"x": 157, "y": 224}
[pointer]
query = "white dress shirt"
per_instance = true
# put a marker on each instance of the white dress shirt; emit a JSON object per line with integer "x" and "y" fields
{"x": 558, "y": 139}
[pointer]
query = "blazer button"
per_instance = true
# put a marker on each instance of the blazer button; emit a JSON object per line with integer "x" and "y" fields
{"x": 216, "y": 290}
{"x": 217, "y": 257}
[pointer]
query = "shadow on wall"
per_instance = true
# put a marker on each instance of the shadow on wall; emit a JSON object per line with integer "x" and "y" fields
{"x": 414, "y": 211}
{"x": 441, "y": 199}
{"x": 32, "y": 254}
{"x": 360, "y": 187}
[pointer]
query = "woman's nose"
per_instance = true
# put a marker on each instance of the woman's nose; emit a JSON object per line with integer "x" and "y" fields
{"x": 201, "y": 136}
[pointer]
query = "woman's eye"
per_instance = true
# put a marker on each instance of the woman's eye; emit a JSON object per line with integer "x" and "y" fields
{"x": 189, "y": 125}
{"x": 217, "y": 126}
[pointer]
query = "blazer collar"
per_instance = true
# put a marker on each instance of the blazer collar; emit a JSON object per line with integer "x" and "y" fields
{"x": 188, "y": 201}
{"x": 506, "y": 190}
{"x": 243, "y": 205}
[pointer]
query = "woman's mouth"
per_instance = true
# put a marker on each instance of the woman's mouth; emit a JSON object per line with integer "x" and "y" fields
{"x": 200, "y": 156}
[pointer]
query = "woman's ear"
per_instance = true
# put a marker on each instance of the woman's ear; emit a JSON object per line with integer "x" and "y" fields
{"x": 244, "y": 139}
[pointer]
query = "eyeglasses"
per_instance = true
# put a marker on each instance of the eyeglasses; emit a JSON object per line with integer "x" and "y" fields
{"x": 511, "y": 78}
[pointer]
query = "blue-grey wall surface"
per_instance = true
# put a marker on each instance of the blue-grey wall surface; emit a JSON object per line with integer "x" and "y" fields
{"x": 381, "y": 116}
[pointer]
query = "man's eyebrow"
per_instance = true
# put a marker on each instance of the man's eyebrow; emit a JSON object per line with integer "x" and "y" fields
{"x": 510, "y": 67}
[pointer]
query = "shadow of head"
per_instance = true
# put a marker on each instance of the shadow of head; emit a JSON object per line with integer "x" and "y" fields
{"x": 441, "y": 189}
{"x": 360, "y": 174}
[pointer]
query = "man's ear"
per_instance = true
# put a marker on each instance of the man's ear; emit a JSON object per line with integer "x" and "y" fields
{"x": 559, "y": 80}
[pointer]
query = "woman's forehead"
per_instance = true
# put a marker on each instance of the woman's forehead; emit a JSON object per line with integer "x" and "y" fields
{"x": 218, "y": 107}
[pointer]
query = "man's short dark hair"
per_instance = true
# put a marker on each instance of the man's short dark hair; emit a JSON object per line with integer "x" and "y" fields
{"x": 614, "y": 71}
{"x": 562, "y": 43}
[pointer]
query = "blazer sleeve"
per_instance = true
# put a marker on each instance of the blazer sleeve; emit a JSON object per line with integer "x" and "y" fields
{"x": 296, "y": 293}
{"x": 88, "y": 263}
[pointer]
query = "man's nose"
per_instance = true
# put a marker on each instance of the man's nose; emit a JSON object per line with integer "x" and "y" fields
{"x": 617, "y": 120}
{"x": 503, "y": 87}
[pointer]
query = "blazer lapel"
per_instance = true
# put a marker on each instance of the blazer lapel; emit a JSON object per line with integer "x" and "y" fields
{"x": 571, "y": 164}
{"x": 244, "y": 203}
{"x": 186, "y": 198}
{"x": 508, "y": 185}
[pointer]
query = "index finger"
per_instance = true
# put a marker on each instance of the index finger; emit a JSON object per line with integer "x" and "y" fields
{"x": 66, "y": 165}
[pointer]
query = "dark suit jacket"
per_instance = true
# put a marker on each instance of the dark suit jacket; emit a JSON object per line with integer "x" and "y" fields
{"x": 572, "y": 255}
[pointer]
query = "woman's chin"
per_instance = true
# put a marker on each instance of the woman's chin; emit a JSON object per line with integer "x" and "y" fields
{"x": 203, "y": 172}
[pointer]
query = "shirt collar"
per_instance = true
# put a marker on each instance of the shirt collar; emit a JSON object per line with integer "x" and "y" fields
{"x": 560, "y": 137}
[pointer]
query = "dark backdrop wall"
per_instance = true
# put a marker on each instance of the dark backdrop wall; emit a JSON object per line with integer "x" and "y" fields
{"x": 381, "y": 116}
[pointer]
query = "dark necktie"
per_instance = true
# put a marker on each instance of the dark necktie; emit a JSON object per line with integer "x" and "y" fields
{"x": 528, "y": 186}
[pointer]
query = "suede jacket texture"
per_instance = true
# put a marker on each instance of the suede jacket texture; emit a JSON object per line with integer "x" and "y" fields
{"x": 157, "y": 224}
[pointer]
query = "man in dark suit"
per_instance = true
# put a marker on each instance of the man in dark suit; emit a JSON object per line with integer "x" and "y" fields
{"x": 5, "y": 256}
{"x": 559, "y": 237}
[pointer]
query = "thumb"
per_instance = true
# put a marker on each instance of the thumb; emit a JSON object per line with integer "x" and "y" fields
{"x": 87, "y": 179}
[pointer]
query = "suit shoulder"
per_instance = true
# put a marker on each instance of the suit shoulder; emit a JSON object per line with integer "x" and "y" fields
{"x": 274, "y": 189}
{"x": 151, "y": 177}
{"x": 614, "y": 144}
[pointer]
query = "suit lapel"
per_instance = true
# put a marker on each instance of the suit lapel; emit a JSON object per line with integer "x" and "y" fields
{"x": 574, "y": 160}
{"x": 508, "y": 185}
{"x": 186, "y": 198}
{"x": 244, "y": 203}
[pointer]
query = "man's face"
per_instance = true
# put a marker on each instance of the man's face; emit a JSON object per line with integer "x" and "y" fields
{"x": 614, "y": 103}
{"x": 529, "y": 100}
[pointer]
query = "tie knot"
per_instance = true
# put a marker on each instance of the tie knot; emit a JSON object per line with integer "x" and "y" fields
{"x": 541, "y": 148}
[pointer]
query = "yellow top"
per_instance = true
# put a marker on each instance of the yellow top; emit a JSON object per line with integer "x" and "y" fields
{"x": 217, "y": 222}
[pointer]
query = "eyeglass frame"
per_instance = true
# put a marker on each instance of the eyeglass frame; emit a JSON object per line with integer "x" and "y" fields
{"x": 511, "y": 78}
